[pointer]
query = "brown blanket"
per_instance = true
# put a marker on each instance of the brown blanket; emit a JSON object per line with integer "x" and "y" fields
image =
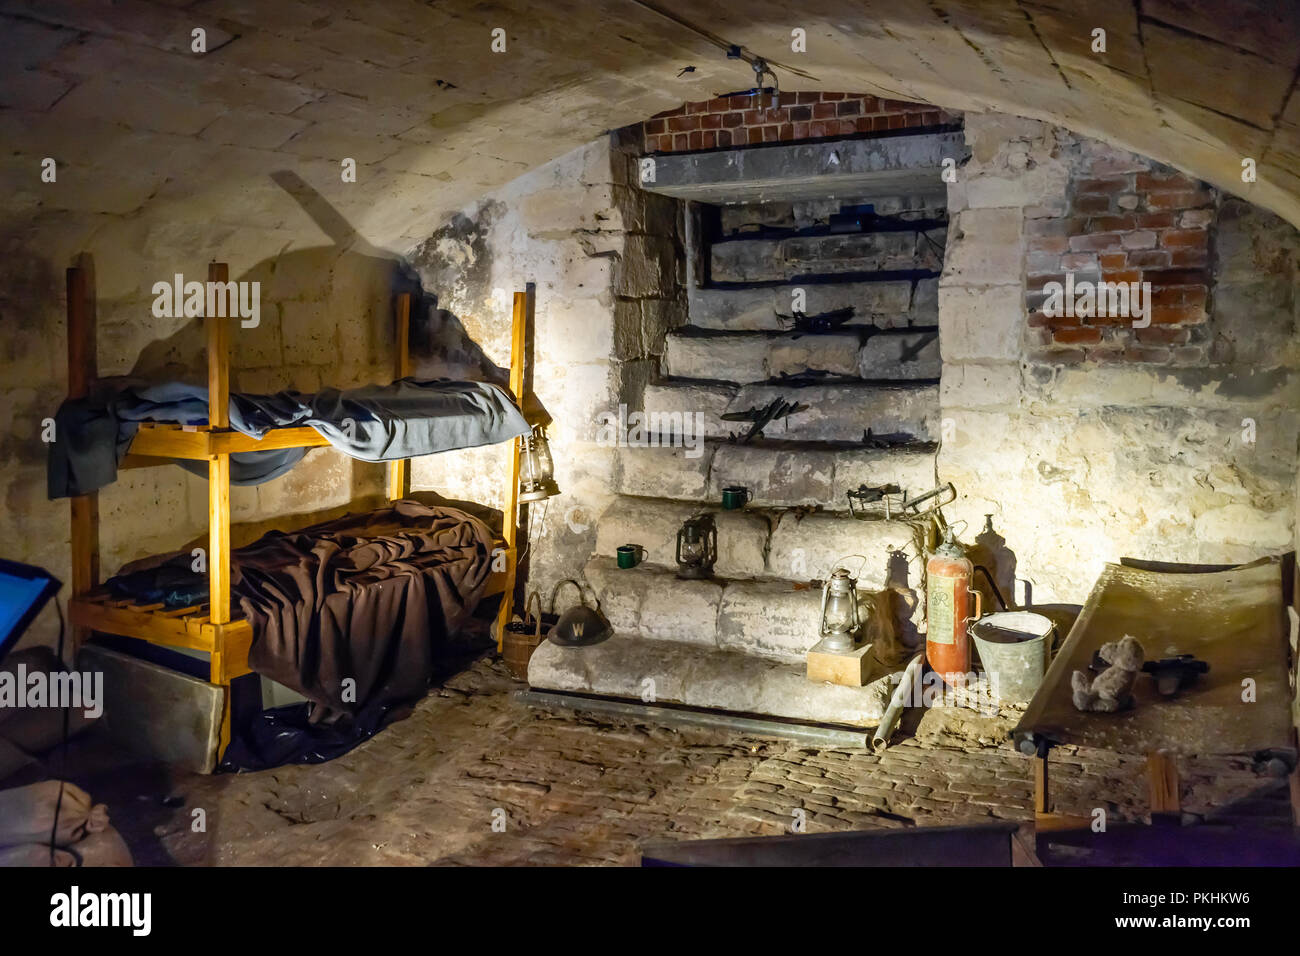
{"x": 365, "y": 597}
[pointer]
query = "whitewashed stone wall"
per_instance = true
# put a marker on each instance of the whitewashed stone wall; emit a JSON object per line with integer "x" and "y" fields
{"x": 605, "y": 258}
{"x": 1083, "y": 464}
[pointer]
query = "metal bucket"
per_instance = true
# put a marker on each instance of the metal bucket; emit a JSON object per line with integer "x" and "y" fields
{"x": 1014, "y": 647}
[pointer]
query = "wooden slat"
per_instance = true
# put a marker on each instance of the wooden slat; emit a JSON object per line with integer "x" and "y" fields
{"x": 218, "y": 333}
{"x": 158, "y": 442}
{"x": 1162, "y": 781}
{"x": 195, "y": 632}
{"x": 219, "y": 539}
{"x": 510, "y": 521}
{"x": 231, "y": 442}
{"x": 399, "y": 471}
{"x": 218, "y": 328}
{"x": 82, "y": 372}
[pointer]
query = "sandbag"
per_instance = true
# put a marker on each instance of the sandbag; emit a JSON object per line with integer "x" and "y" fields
{"x": 27, "y": 814}
{"x": 105, "y": 848}
{"x": 35, "y": 854}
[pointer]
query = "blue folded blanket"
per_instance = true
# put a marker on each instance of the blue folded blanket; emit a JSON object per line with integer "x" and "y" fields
{"x": 406, "y": 419}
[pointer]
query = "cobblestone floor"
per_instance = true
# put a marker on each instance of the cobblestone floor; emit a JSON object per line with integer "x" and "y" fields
{"x": 583, "y": 790}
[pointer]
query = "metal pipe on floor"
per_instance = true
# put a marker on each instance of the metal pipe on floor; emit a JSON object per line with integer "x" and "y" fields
{"x": 681, "y": 717}
{"x": 894, "y": 712}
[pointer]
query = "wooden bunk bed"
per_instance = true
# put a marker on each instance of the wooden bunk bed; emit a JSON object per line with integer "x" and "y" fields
{"x": 213, "y": 628}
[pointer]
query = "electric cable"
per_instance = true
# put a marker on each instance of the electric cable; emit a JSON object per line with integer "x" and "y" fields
{"x": 63, "y": 744}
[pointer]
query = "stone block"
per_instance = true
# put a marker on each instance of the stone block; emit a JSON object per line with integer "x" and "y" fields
{"x": 843, "y": 412}
{"x": 985, "y": 248}
{"x": 981, "y": 322}
{"x": 975, "y": 385}
{"x": 807, "y": 547}
{"x": 736, "y": 310}
{"x": 653, "y": 524}
{"x": 861, "y": 252}
{"x": 774, "y": 476}
{"x": 747, "y": 260}
{"x": 795, "y": 355}
{"x": 682, "y": 611}
{"x": 664, "y": 472}
{"x": 768, "y": 619}
{"x": 647, "y": 268}
{"x": 630, "y": 665}
{"x": 912, "y": 470}
{"x": 730, "y": 358}
{"x": 689, "y": 399}
{"x": 884, "y": 304}
{"x": 912, "y": 355}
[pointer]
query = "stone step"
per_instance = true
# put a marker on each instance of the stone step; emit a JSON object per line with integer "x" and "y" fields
{"x": 776, "y": 474}
{"x": 780, "y": 260}
{"x": 791, "y": 544}
{"x": 764, "y": 617}
{"x": 639, "y": 667}
{"x": 653, "y": 523}
{"x": 836, "y": 412}
{"x": 896, "y": 303}
{"x": 751, "y": 357}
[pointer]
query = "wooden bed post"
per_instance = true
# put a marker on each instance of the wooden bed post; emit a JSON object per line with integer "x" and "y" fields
{"x": 82, "y": 372}
{"x": 510, "y": 519}
{"x": 218, "y": 337}
{"x": 399, "y": 472}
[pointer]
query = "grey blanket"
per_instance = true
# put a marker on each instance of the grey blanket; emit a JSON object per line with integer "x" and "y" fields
{"x": 406, "y": 419}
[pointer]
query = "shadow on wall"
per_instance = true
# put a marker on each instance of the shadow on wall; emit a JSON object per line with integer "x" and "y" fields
{"x": 307, "y": 338}
{"x": 326, "y": 320}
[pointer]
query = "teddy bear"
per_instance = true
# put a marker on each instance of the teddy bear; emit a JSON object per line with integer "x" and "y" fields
{"x": 1110, "y": 690}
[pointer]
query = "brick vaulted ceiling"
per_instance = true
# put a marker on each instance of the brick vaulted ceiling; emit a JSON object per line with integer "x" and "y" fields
{"x": 145, "y": 129}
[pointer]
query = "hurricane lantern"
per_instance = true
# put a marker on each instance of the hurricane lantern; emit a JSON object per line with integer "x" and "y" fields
{"x": 697, "y": 547}
{"x": 537, "y": 470}
{"x": 839, "y": 611}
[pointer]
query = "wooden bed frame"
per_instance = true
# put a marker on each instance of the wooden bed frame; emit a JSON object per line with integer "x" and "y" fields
{"x": 211, "y": 627}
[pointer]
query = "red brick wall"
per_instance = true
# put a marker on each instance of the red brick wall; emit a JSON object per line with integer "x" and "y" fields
{"x": 1128, "y": 219}
{"x": 729, "y": 121}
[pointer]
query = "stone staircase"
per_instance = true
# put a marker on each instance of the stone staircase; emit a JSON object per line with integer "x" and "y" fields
{"x": 738, "y": 642}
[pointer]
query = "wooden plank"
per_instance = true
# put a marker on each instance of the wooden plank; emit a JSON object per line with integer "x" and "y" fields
{"x": 1040, "y": 784}
{"x": 155, "y": 628}
{"x": 399, "y": 471}
{"x": 218, "y": 334}
{"x": 157, "y": 443}
{"x": 170, "y": 441}
{"x": 219, "y": 539}
{"x": 228, "y": 443}
{"x": 1162, "y": 782}
{"x": 510, "y": 520}
{"x": 82, "y": 372}
{"x": 1051, "y": 822}
{"x": 142, "y": 461}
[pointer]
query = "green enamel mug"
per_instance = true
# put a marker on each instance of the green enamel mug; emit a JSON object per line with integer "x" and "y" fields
{"x": 630, "y": 555}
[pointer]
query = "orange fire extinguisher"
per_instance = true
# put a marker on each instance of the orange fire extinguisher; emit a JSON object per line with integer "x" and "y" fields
{"x": 948, "y": 592}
